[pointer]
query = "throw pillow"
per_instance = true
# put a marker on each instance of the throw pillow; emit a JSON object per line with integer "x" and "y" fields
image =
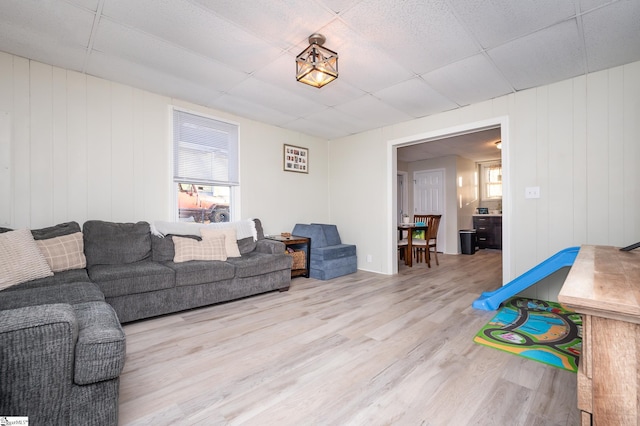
{"x": 20, "y": 259}
{"x": 64, "y": 253}
{"x": 190, "y": 249}
{"x": 230, "y": 239}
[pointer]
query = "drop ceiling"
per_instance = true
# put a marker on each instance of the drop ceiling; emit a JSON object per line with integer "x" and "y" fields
{"x": 399, "y": 60}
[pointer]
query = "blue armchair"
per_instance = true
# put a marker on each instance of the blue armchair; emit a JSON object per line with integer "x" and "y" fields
{"x": 329, "y": 257}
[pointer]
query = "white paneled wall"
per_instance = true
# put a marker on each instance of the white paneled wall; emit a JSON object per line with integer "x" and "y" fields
{"x": 578, "y": 140}
{"x": 76, "y": 147}
{"x": 82, "y": 147}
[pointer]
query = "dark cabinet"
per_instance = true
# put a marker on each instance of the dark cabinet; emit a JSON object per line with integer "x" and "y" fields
{"x": 488, "y": 231}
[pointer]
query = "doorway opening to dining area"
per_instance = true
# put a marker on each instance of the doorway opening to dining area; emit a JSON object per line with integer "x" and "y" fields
{"x": 456, "y": 155}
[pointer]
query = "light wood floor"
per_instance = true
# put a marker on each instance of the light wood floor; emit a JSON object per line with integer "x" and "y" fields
{"x": 364, "y": 349}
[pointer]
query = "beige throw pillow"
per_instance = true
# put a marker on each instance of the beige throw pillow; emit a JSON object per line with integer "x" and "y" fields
{"x": 20, "y": 259}
{"x": 230, "y": 240}
{"x": 189, "y": 249}
{"x": 64, "y": 252}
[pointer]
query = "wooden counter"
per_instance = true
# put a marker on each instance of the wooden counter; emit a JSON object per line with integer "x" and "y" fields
{"x": 604, "y": 286}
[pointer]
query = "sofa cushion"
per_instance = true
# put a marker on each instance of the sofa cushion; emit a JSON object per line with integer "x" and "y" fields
{"x": 109, "y": 243}
{"x": 314, "y": 232}
{"x": 254, "y": 263}
{"x": 59, "y": 230}
{"x": 20, "y": 259}
{"x": 201, "y": 272}
{"x": 71, "y": 293}
{"x": 140, "y": 277}
{"x": 331, "y": 234}
{"x": 333, "y": 252}
{"x": 100, "y": 349}
{"x": 230, "y": 239}
{"x": 70, "y": 276}
{"x": 187, "y": 249}
{"x": 64, "y": 252}
{"x": 328, "y": 269}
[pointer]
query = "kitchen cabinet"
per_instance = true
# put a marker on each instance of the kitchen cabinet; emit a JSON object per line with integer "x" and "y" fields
{"x": 488, "y": 231}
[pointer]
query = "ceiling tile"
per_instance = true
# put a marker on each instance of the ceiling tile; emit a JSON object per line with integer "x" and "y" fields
{"x": 611, "y": 45}
{"x": 17, "y": 39}
{"x": 341, "y": 122}
{"x": 586, "y": 5}
{"x": 415, "y": 98}
{"x": 494, "y": 22}
{"x": 282, "y": 23}
{"x": 360, "y": 63}
{"x": 135, "y": 46}
{"x": 539, "y": 59}
{"x": 62, "y": 22}
{"x": 318, "y": 129}
{"x": 372, "y": 110}
{"x": 274, "y": 97}
{"x": 188, "y": 25}
{"x": 110, "y": 67}
{"x": 421, "y": 35}
{"x": 476, "y": 146}
{"x": 251, "y": 110}
{"x": 86, "y": 4}
{"x": 339, "y": 6}
{"x": 469, "y": 81}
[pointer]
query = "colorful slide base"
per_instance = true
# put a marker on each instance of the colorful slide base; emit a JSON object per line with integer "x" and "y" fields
{"x": 490, "y": 300}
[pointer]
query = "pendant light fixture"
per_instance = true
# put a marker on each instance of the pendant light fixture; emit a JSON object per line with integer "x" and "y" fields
{"x": 316, "y": 65}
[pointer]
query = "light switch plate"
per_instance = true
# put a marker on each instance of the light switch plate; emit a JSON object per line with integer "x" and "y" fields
{"x": 532, "y": 192}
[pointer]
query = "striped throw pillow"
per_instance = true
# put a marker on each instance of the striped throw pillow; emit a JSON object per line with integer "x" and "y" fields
{"x": 20, "y": 259}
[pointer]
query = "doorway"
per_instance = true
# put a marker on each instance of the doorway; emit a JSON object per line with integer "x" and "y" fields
{"x": 440, "y": 137}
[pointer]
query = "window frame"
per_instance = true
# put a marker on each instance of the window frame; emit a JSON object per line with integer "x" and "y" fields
{"x": 175, "y": 181}
{"x": 485, "y": 181}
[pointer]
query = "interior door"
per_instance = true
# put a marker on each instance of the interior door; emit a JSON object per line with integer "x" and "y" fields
{"x": 428, "y": 198}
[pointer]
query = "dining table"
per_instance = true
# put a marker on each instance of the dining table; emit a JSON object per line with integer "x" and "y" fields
{"x": 410, "y": 227}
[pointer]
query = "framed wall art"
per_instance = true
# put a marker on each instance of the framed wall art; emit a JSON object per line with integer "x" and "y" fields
{"x": 296, "y": 159}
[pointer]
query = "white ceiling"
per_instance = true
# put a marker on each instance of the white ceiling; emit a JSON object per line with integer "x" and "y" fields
{"x": 476, "y": 146}
{"x": 399, "y": 60}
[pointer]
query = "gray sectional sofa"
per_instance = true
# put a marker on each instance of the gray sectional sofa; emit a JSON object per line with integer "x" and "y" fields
{"x": 62, "y": 347}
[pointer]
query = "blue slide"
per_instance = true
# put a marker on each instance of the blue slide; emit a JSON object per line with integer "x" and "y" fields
{"x": 490, "y": 300}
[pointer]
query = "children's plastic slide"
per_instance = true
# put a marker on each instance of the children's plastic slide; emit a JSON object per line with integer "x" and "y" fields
{"x": 490, "y": 300}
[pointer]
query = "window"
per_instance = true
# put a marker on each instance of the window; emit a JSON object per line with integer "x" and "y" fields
{"x": 491, "y": 176}
{"x": 205, "y": 171}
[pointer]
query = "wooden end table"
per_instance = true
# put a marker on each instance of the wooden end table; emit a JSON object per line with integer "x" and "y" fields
{"x": 295, "y": 240}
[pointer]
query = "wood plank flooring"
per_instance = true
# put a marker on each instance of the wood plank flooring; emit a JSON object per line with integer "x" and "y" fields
{"x": 364, "y": 349}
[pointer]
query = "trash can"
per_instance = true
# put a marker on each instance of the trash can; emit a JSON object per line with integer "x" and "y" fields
{"x": 468, "y": 241}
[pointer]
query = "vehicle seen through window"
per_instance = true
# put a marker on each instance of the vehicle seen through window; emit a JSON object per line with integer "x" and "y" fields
{"x": 203, "y": 203}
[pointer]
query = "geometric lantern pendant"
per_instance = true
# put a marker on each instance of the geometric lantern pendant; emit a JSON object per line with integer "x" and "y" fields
{"x": 316, "y": 65}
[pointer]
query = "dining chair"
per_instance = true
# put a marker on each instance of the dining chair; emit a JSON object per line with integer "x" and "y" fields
{"x": 403, "y": 245}
{"x": 433, "y": 223}
{"x": 422, "y": 247}
{"x": 419, "y": 241}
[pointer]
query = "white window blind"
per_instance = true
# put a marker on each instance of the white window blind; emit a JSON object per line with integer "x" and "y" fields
{"x": 205, "y": 150}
